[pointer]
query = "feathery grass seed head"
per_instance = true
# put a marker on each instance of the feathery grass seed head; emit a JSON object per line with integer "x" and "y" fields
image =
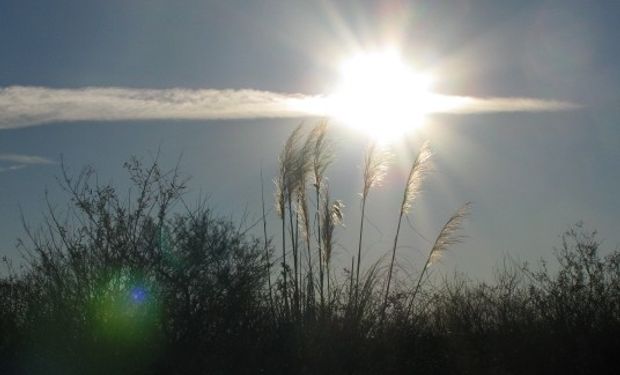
{"x": 321, "y": 152}
{"x": 417, "y": 175}
{"x": 376, "y": 164}
{"x": 333, "y": 215}
{"x": 450, "y": 233}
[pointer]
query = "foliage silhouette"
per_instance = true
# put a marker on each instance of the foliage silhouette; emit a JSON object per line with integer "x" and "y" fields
{"x": 139, "y": 283}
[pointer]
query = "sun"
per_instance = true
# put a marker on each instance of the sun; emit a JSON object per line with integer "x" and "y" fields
{"x": 381, "y": 95}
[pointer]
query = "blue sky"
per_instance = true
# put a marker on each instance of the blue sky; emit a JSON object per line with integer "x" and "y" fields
{"x": 529, "y": 174}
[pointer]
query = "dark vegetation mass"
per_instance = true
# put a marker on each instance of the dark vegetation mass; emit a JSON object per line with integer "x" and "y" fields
{"x": 141, "y": 283}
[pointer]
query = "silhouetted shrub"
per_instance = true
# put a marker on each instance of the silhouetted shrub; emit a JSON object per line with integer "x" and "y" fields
{"x": 124, "y": 285}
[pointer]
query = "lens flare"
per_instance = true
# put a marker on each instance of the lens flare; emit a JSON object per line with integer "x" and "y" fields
{"x": 138, "y": 295}
{"x": 125, "y": 309}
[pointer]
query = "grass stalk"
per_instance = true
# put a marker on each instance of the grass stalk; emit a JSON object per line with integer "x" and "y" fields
{"x": 287, "y": 165}
{"x": 319, "y": 245}
{"x": 448, "y": 236}
{"x": 266, "y": 244}
{"x": 417, "y": 173}
{"x": 375, "y": 166}
{"x": 321, "y": 158}
{"x": 294, "y": 247}
{"x": 332, "y": 216}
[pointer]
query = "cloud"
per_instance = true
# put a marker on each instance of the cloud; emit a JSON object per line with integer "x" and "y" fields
{"x": 26, "y": 106}
{"x": 22, "y": 106}
{"x": 25, "y": 159}
{"x": 467, "y": 104}
{"x": 19, "y": 161}
{"x": 12, "y": 168}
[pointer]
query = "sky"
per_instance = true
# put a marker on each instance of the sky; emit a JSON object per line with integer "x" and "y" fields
{"x": 218, "y": 86}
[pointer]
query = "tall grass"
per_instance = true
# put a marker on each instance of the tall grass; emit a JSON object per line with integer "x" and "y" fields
{"x": 286, "y": 183}
{"x": 304, "y": 161}
{"x": 321, "y": 159}
{"x": 266, "y": 243}
{"x": 376, "y": 162}
{"x": 448, "y": 236}
{"x": 413, "y": 187}
{"x": 332, "y": 217}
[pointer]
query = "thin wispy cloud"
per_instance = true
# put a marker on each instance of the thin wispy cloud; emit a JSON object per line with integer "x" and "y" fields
{"x": 14, "y": 162}
{"x": 25, "y": 159}
{"x": 22, "y": 106}
{"x": 12, "y": 168}
{"x": 468, "y": 104}
{"x": 27, "y": 106}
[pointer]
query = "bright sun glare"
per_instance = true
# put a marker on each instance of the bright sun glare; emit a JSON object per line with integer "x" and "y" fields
{"x": 381, "y": 95}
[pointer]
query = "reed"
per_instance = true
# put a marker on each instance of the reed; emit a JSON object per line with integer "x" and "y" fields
{"x": 448, "y": 236}
{"x": 322, "y": 157}
{"x": 376, "y": 162}
{"x": 417, "y": 173}
{"x": 332, "y": 217}
{"x": 284, "y": 182}
{"x": 266, "y": 244}
{"x": 303, "y": 163}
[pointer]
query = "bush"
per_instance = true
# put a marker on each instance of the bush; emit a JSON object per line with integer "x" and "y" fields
{"x": 118, "y": 283}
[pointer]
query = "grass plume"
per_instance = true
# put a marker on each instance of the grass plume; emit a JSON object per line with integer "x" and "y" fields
{"x": 322, "y": 157}
{"x": 419, "y": 169}
{"x": 332, "y": 216}
{"x": 376, "y": 163}
{"x": 449, "y": 235}
{"x": 288, "y": 164}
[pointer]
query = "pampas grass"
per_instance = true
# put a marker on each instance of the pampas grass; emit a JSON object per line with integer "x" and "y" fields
{"x": 322, "y": 157}
{"x": 332, "y": 216}
{"x": 376, "y": 163}
{"x": 449, "y": 235}
{"x": 420, "y": 167}
{"x": 304, "y": 161}
{"x": 266, "y": 243}
{"x": 288, "y": 164}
